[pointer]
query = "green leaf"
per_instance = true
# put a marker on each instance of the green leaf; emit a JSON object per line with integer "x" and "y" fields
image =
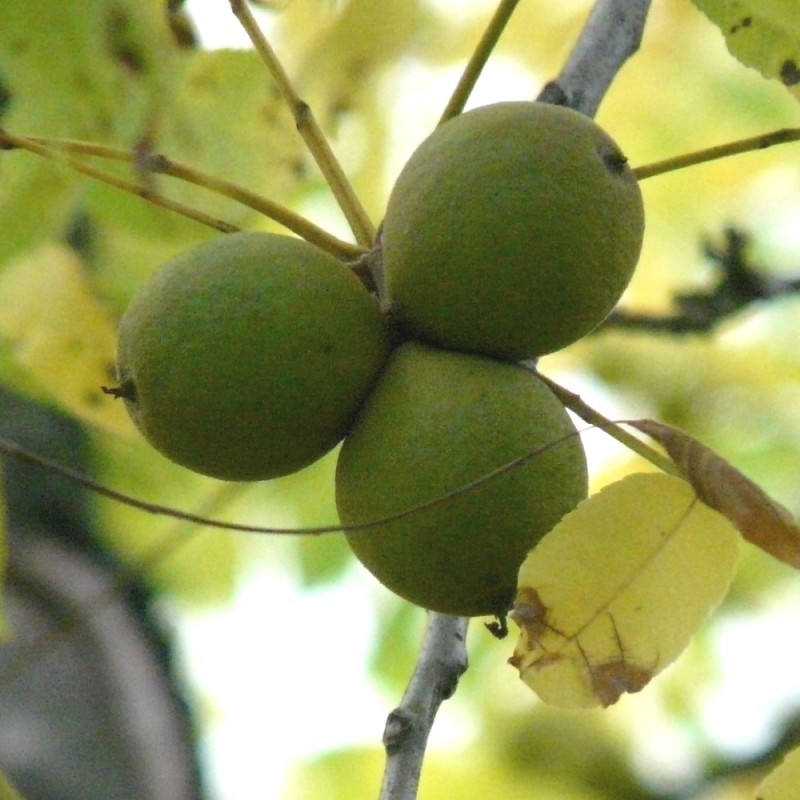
{"x": 60, "y": 335}
{"x": 764, "y": 34}
{"x": 616, "y": 590}
{"x": 90, "y": 69}
{"x": 782, "y": 782}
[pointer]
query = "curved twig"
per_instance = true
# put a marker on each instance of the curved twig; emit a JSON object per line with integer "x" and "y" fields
{"x": 157, "y": 163}
{"x": 9, "y": 140}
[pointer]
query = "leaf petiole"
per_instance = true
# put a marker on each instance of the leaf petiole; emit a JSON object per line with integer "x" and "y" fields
{"x": 574, "y": 403}
{"x": 760, "y": 142}
{"x": 8, "y": 140}
{"x": 160, "y": 164}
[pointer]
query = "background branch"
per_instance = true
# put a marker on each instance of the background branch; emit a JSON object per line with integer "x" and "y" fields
{"x": 739, "y": 284}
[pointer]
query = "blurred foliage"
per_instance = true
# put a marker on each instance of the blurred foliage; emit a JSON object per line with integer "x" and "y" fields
{"x": 764, "y": 35}
{"x": 377, "y": 74}
{"x": 783, "y": 782}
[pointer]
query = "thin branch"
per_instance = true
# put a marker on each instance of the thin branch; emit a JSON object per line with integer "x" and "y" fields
{"x": 442, "y": 661}
{"x": 161, "y": 164}
{"x": 760, "y": 142}
{"x": 18, "y": 451}
{"x": 478, "y": 59}
{"x": 738, "y": 286}
{"x": 8, "y": 140}
{"x": 574, "y": 403}
{"x": 309, "y": 129}
{"x": 612, "y": 34}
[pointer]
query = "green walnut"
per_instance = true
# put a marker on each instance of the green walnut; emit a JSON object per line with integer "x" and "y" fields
{"x": 248, "y": 358}
{"x": 436, "y": 422}
{"x": 512, "y": 231}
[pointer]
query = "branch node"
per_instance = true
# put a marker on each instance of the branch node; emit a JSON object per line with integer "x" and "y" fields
{"x": 399, "y": 724}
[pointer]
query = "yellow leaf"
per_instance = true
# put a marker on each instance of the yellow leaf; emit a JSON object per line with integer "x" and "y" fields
{"x": 762, "y": 521}
{"x": 615, "y": 591}
{"x": 763, "y": 34}
{"x": 782, "y": 782}
{"x": 61, "y": 334}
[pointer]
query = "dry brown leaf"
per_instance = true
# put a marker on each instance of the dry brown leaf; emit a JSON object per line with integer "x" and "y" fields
{"x": 762, "y": 521}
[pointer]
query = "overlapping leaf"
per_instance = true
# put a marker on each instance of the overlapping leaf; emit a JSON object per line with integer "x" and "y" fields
{"x": 764, "y": 34}
{"x": 616, "y": 590}
{"x": 60, "y": 334}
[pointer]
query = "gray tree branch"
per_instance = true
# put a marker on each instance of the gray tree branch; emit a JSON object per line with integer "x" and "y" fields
{"x": 611, "y": 35}
{"x": 442, "y": 661}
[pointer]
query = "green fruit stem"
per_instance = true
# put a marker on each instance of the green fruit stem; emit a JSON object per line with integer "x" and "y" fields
{"x": 761, "y": 142}
{"x": 309, "y": 129}
{"x": 158, "y": 163}
{"x": 574, "y": 403}
{"x": 478, "y": 59}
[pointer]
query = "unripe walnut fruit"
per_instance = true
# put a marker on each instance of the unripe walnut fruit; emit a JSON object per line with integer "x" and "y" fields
{"x": 435, "y": 422}
{"x": 512, "y": 231}
{"x": 248, "y": 357}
